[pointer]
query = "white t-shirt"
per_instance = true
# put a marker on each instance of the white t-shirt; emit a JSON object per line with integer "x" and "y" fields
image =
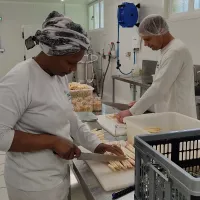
{"x": 173, "y": 86}
{"x": 32, "y": 101}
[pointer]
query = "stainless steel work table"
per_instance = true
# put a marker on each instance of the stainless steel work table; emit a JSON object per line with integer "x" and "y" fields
{"x": 91, "y": 187}
{"x": 143, "y": 81}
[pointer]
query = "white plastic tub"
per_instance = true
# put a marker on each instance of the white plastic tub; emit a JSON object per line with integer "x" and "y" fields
{"x": 82, "y": 93}
{"x": 167, "y": 122}
{"x": 82, "y": 99}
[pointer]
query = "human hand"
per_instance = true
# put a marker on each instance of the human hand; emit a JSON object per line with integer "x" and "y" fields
{"x": 66, "y": 149}
{"x": 132, "y": 104}
{"x": 120, "y": 116}
{"x": 102, "y": 148}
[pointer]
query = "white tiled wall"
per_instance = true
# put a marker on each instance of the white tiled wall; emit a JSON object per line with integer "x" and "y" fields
{"x": 186, "y": 30}
{"x": 15, "y": 14}
{"x": 101, "y": 39}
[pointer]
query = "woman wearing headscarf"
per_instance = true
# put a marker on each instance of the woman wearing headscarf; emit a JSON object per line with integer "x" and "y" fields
{"x": 38, "y": 127}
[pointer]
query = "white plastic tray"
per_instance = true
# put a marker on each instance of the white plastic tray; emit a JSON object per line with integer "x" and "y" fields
{"x": 167, "y": 122}
{"x": 112, "y": 126}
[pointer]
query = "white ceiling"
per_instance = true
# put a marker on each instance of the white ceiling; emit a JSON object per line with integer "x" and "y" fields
{"x": 53, "y": 1}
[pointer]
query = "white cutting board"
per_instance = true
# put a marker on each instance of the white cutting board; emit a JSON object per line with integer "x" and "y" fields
{"x": 108, "y": 179}
{"x": 110, "y": 125}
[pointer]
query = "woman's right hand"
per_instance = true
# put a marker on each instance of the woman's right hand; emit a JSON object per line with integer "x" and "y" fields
{"x": 66, "y": 149}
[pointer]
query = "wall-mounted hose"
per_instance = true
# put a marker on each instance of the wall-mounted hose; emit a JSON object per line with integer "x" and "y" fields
{"x": 127, "y": 18}
{"x": 118, "y": 51}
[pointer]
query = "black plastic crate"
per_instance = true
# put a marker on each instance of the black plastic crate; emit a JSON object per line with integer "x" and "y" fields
{"x": 168, "y": 166}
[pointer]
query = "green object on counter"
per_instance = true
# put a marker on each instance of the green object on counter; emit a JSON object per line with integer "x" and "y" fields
{"x": 87, "y": 116}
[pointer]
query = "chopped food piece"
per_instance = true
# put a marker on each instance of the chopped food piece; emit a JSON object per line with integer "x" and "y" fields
{"x": 99, "y": 134}
{"x": 78, "y": 86}
{"x": 114, "y": 165}
{"x": 112, "y": 117}
{"x": 123, "y": 143}
{"x": 153, "y": 129}
{"x": 132, "y": 161}
{"x": 130, "y": 148}
{"x": 124, "y": 164}
{"x": 129, "y": 152}
{"x": 112, "y": 168}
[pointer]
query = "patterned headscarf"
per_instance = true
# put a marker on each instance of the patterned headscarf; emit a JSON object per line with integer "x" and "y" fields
{"x": 59, "y": 36}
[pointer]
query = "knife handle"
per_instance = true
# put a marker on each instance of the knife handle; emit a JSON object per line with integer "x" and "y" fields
{"x": 122, "y": 193}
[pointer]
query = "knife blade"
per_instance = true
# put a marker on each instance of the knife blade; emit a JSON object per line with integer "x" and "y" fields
{"x": 100, "y": 157}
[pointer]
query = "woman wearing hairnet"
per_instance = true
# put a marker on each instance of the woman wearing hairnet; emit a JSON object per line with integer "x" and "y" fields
{"x": 37, "y": 122}
{"x": 173, "y": 86}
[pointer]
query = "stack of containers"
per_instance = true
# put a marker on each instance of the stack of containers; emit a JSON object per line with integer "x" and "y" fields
{"x": 82, "y": 97}
{"x": 97, "y": 104}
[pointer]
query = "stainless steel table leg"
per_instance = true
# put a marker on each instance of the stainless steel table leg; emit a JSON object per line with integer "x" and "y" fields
{"x": 141, "y": 91}
{"x": 69, "y": 195}
{"x": 113, "y": 95}
{"x": 134, "y": 92}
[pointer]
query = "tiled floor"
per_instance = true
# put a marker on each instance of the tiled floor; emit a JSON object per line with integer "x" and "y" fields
{"x": 77, "y": 193}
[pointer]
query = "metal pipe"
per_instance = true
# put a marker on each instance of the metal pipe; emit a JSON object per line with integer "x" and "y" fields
{"x": 64, "y": 9}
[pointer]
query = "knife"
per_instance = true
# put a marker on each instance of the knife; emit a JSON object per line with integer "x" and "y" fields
{"x": 100, "y": 157}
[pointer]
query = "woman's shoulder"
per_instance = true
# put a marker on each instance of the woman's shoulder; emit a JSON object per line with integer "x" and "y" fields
{"x": 19, "y": 74}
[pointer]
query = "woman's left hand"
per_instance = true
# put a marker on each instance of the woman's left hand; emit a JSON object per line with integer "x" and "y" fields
{"x": 102, "y": 148}
{"x": 120, "y": 116}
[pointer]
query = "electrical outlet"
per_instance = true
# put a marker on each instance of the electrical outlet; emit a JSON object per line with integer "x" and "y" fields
{"x": 136, "y": 42}
{"x": 128, "y": 54}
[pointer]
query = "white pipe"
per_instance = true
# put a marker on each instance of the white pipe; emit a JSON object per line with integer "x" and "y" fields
{"x": 92, "y": 75}
{"x": 91, "y": 63}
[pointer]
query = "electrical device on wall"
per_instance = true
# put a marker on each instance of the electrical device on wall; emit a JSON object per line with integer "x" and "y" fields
{"x": 127, "y": 18}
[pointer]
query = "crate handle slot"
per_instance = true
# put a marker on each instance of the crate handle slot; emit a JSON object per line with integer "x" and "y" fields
{"x": 146, "y": 154}
{"x": 150, "y": 156}
{"x": 158, "y": 172}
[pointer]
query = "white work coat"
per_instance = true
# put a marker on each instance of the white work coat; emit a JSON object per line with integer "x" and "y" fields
{"x": 34, "y": 102}
{"x": 173, "y": 86}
